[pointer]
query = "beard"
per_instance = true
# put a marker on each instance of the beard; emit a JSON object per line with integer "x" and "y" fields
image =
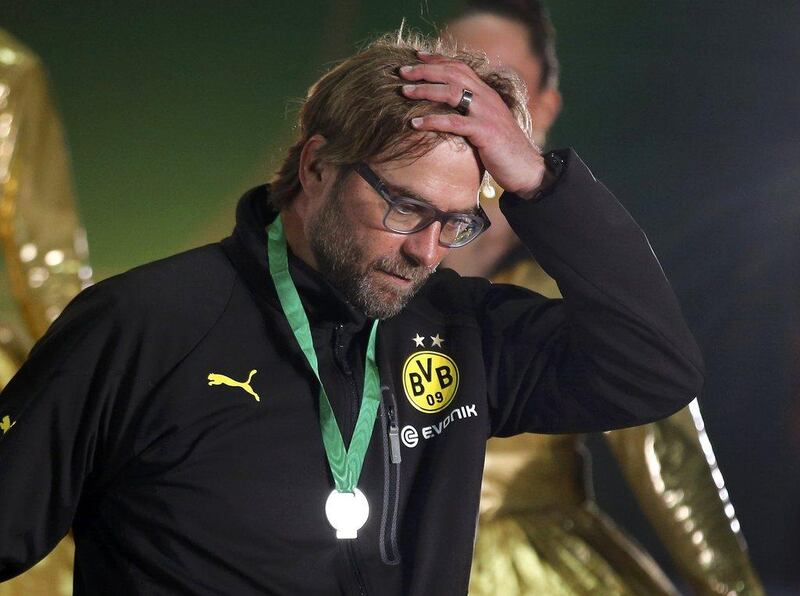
{"x": 343, "y": 262}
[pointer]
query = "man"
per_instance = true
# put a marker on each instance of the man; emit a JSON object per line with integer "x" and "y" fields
{"x": 192, "y": 445}
{"x": 536, "y": 495}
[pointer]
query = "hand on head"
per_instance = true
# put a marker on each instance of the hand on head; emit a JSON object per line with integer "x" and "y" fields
{"x": 506, "y": 152}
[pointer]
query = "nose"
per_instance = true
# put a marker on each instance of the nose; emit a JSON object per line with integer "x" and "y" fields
{"x": 423, "y": 247}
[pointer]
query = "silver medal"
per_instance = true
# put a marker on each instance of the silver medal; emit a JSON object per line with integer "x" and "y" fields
{"x": 347, "y": 512}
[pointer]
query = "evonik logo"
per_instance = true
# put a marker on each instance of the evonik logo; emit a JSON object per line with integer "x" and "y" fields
{"x": 410, "y": 436}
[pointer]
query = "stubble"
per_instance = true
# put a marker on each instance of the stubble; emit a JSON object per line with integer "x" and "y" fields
{"x": 343, "y": 262}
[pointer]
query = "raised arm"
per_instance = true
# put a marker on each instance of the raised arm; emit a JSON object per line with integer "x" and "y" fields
{"x": 616, "y": 351}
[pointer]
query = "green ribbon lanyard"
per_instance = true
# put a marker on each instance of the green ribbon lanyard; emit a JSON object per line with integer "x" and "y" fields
{"x": 345, "y": 463}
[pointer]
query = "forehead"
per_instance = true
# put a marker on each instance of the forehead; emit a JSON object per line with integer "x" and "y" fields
{"x": 448, "y": 176}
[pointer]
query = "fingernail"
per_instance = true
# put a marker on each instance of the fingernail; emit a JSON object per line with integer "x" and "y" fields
{"x": 405, "y": 69}
{"x": 409, "y": 88}
{"x": 416, "y": 121}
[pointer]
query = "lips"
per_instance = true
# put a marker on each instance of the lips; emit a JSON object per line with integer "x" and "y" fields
{"x": 402, "y": 273}
{"x": 396, "y": 276}
{"x": 401, "y": 276}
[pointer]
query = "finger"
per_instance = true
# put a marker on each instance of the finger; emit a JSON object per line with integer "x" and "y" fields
{"x": 433, "y": 58}
{"x": 416, "y": 73}
{"x": 440, "y": 59}
{"x": 457, "y": 74}
{"x": 458, "y": 125}
{"x": 439, "y": 93}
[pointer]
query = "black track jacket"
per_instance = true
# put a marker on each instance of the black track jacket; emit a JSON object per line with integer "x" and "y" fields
{"x": 128, "y": 425}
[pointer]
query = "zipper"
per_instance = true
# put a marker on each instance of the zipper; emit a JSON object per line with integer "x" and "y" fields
{"x": 390, "y": 554}
{"x": 351, "y": 555}
{"x": 341, "y": 360}
{"x": 394, "y": 436}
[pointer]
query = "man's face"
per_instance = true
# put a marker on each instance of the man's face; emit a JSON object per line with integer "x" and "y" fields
{"x": 377, "y": 270}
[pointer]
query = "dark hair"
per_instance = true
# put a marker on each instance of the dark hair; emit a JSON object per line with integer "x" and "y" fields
{"x": 533, "y": 15}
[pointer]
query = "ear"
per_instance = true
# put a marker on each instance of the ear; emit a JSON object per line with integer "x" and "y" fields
{"x": 545, "y": 108}
{"x": 315, "y": 175}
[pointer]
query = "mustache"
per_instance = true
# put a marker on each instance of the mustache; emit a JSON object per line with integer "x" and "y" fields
{"x": 401, "y": 268}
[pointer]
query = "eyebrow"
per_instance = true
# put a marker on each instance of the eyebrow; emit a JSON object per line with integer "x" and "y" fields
{"x": 407, "y": 192}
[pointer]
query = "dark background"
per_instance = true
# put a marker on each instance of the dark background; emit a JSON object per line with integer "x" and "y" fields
{"x": 687, "y": 110}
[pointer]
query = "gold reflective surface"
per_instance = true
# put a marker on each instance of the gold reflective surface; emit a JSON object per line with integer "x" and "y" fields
{"x": 541, "y": 533}
{"x": 44, "y": 249}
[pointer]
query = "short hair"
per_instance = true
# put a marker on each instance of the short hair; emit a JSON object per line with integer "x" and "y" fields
{"x": 534, "y": 16}
{"x": 359, "y": 108}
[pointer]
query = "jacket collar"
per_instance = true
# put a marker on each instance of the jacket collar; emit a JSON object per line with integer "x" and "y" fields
{"x": 247, "y": 249}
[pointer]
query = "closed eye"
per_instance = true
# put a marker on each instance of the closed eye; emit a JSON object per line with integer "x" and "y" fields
{"x": 407, "y": 208}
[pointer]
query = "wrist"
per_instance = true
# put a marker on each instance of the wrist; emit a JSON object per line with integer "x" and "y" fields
{"x": 543, "y": 178}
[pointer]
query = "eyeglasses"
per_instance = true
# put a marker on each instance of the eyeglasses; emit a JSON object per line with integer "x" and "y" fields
{"x": 405, "y": 215}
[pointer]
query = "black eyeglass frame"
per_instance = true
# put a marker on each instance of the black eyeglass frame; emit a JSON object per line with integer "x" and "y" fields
{"x": 442, "y": 217}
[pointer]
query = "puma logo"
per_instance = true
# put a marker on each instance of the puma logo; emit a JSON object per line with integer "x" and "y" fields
{"x": 6, "y": 424}
{"x": 218, "y": 379}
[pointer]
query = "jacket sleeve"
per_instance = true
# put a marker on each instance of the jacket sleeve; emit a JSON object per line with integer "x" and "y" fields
{"x": 75, "y": 414}
{"x": 615, "y": 352}
{"x": 53, "y": 414}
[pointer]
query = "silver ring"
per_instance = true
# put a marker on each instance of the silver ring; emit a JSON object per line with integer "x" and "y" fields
{"x": 464, "y": 103}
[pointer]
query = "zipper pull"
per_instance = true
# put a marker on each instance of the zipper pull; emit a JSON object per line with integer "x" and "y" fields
{"x": 394, "y": 437}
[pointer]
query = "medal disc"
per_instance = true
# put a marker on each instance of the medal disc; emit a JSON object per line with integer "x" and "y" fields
{"x": 347, "y": 512}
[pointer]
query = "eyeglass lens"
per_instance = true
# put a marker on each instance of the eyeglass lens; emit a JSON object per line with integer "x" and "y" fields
{"x": 410, "y": 217}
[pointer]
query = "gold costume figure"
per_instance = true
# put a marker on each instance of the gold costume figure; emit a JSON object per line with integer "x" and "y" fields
{"x": 540, "y": 531}
{"x": 43, "y": 246}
